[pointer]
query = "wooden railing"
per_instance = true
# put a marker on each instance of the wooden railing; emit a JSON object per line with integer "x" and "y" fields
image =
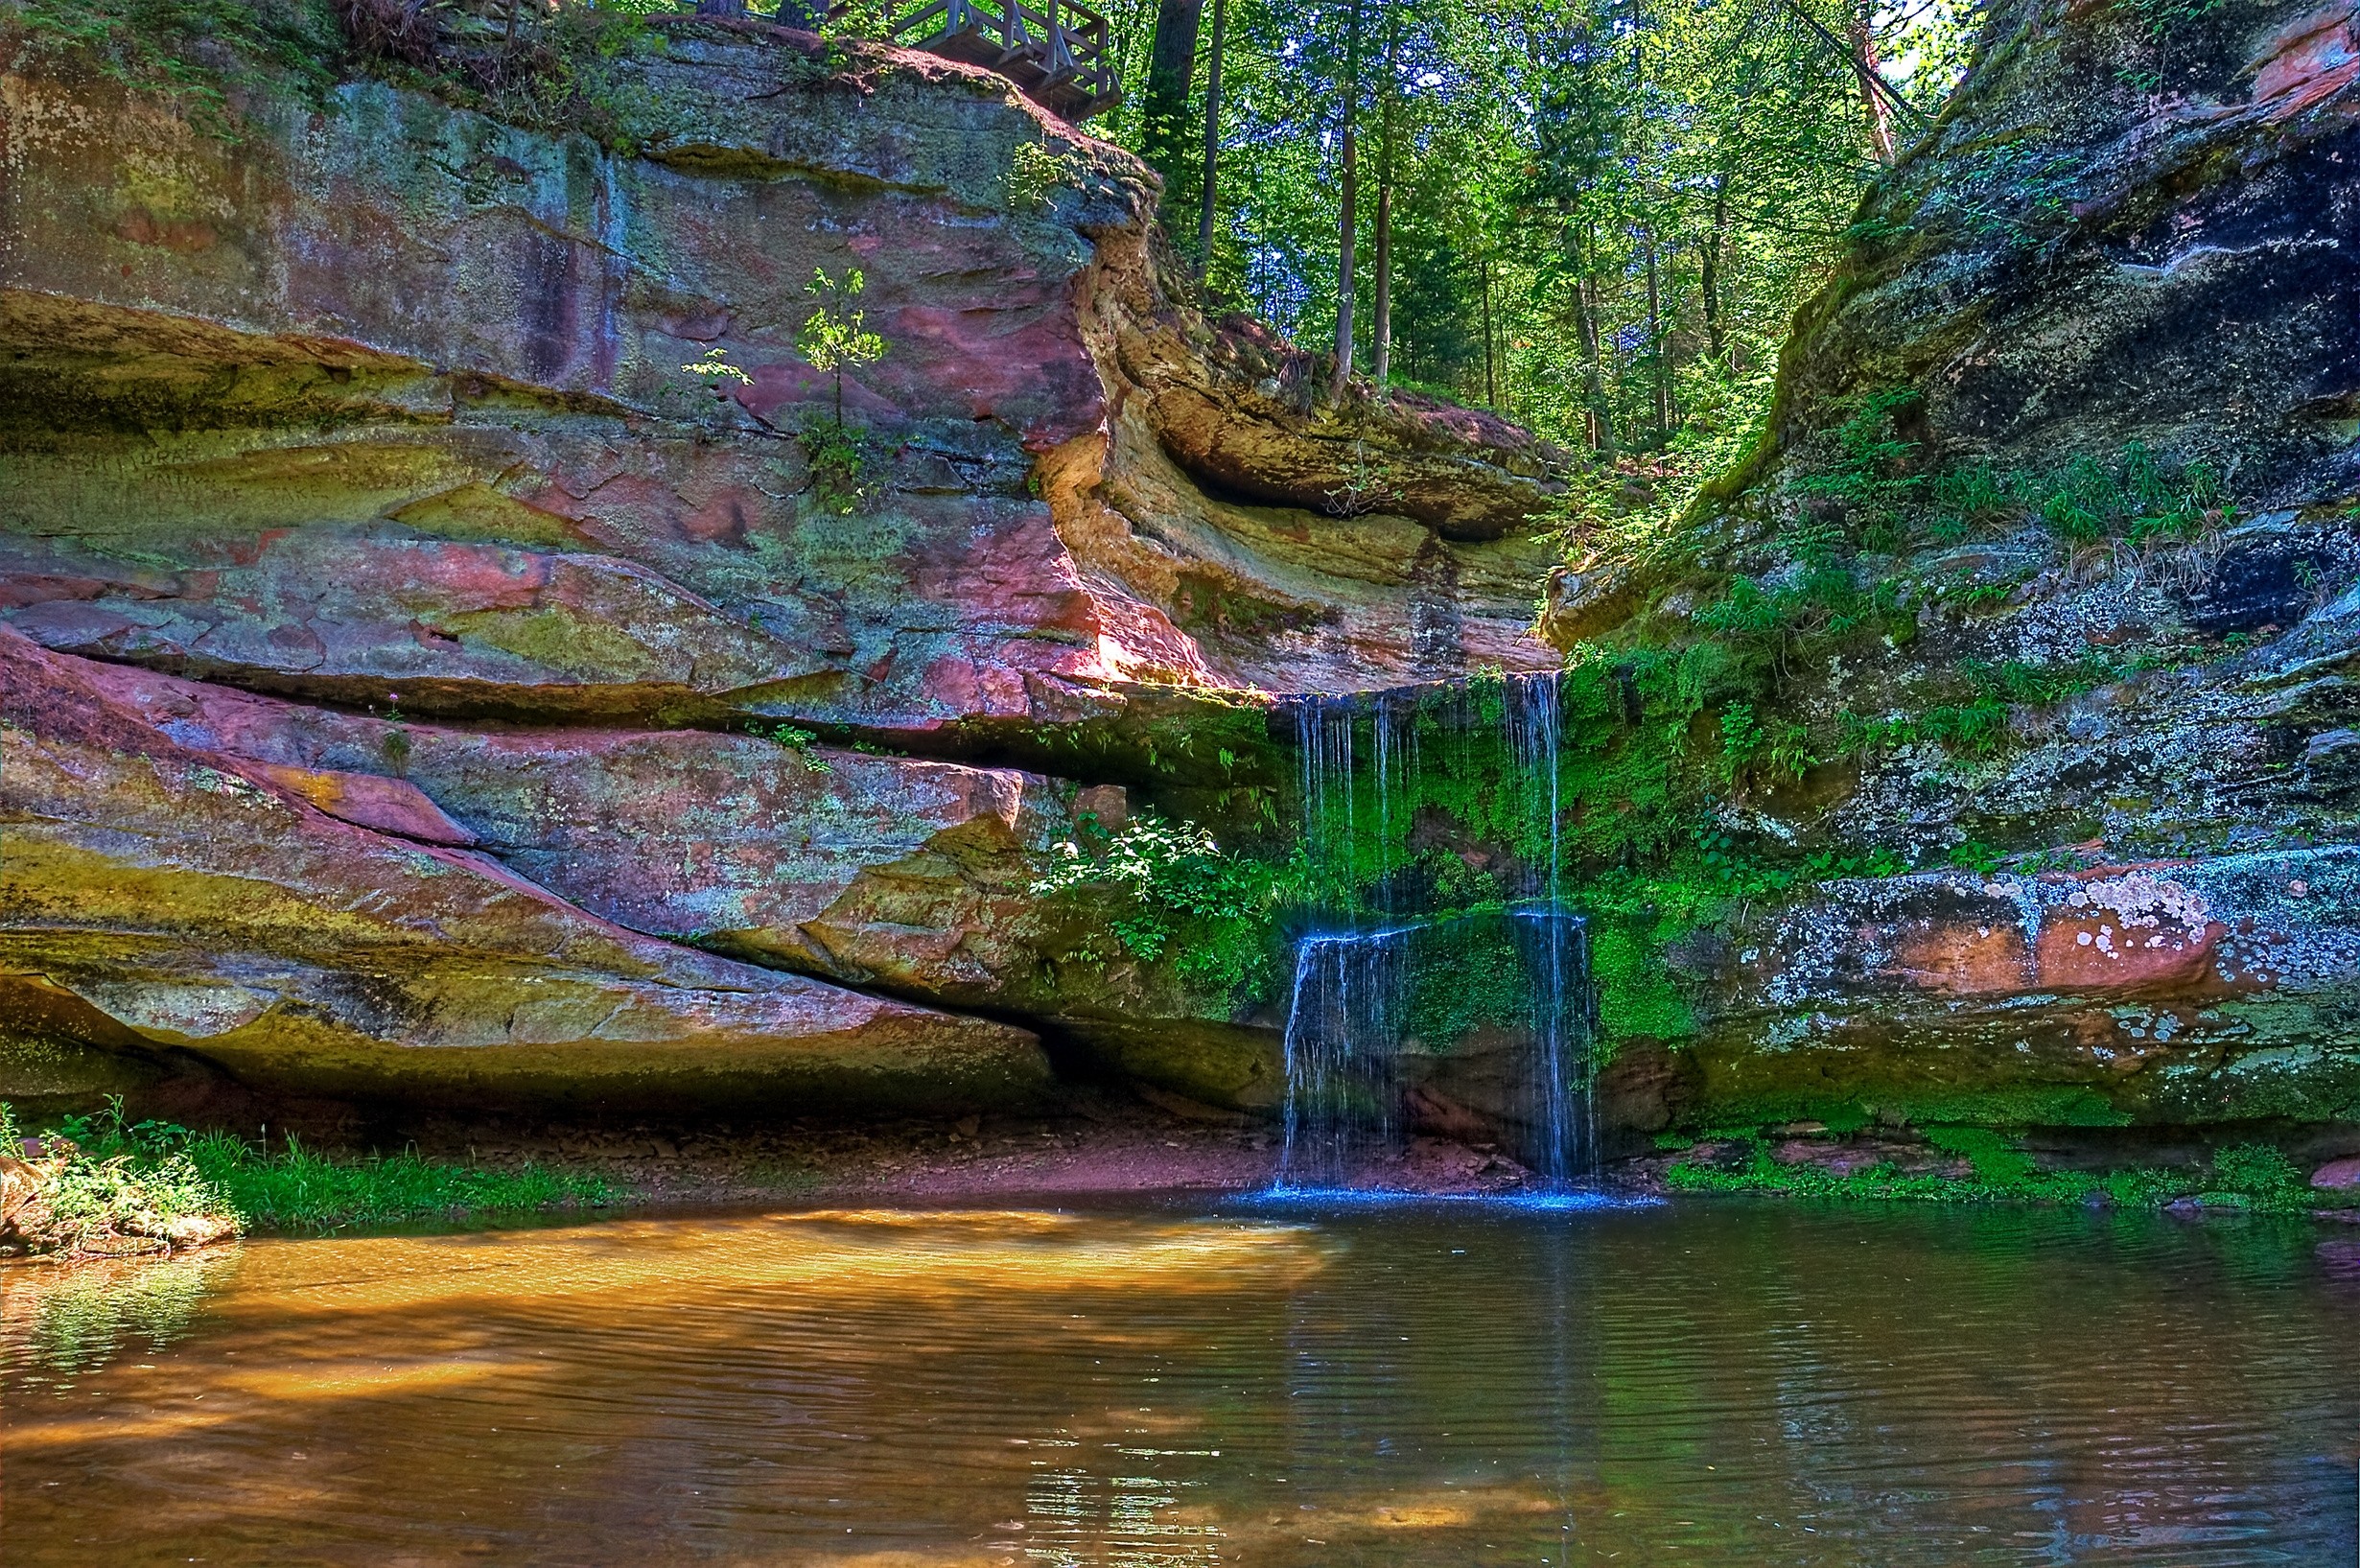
{"x": 1059, "y": 53}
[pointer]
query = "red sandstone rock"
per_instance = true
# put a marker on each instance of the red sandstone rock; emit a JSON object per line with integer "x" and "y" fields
{"x": 508, "y": 497}
{"x": 390, "y": 806}
{"x": 169, "y": 898}
{"x": 2338, "y": 1175}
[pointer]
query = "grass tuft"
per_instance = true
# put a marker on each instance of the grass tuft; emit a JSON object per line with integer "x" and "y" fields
{"x": 299, "y": 1189}
{"x": 117, "y": 1165}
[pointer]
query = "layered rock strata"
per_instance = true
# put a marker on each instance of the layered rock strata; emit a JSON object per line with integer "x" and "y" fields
{"x": 491, "y": 705}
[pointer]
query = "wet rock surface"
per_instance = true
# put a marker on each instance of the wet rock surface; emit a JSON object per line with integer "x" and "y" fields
{"x": 166, "y": 910}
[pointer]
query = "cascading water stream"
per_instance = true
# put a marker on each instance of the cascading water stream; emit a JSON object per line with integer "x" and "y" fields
{"x": 1349, "y": 1006}
{"x": 1343, "y": 1023}
{"x": 1560, "y": 1094}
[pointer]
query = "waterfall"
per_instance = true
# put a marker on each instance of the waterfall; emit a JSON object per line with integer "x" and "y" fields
{"x": 1559, "y": 1095}
{"x": 1343, "y": 1059}
{"x": 1330, "y": 759}
{"x": 1349, "y": 1029}
{"x": 1560, "y": 1104}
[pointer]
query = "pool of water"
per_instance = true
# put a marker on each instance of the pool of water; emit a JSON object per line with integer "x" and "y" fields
{"x": 1718, "y": 1383}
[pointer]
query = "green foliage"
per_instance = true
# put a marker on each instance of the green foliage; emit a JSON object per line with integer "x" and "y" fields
{"x": 1868, "y": 494}
{"x": 1636, "y": 998}
{"x": 847, "y": 473}
{"x": 172, "y": 1171}
{"x": 1975, "y": 728}
{"x": 2261, "y": 1175}
{"x": 2000, "y": 1174}
{"x": 716, "y": 371}
{"x": 1753, "y": 749}
{"x": 1035, "y": 173}
{"x": 870, "y": 20}
{"x": 2016, "y": 1106}
{"x": 182, "y": 48}
{"x": 1467, "y": 975}
{"x": 569, "y": 69}
{"x": 1996, "y": 1160}
{"x": 2253, "y": 1175}
{"x": 1178, "y": 884}
{"x": 2160, "y": 22}
{"x": 1975, "y": 855}
{"x": 1600, "y": 218}
{"x": 800, "y": 741}
{"x": 836, "y": 336}
{"x": 2137, "y": 496}
{"x": 1869, "y": 483}
{"x": 297, "y": 1189}
{"x": 120, "y": 1188}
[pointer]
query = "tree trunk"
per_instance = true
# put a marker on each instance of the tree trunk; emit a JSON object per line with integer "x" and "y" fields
{"x": 1860, "y": 32}
{"x": 1380, "y": 353}
{"x": 1348, "y": 273}
{"x": 1212, "y": 142}
{"x": 1601, "y": 425}
{"x": 1171, "y": 73}
{"x": 1711, "y": 280}
{"x": 1491, "y": 374}
{"x": 1655, "y": 340}
{"x": 1382, "y": 361}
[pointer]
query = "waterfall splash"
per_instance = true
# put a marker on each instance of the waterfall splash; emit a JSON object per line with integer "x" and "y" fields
{"x": 1361, "y": 1034}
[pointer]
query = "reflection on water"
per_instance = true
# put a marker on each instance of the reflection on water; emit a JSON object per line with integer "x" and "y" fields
{"x": 55, "y": 1323}
{"x": 1732, "y": 1383}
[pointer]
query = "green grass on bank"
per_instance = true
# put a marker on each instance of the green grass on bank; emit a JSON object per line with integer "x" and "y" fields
{"x": 2250, "y": 1176}
{"x": 291, "y": 1188}
{"x": 297, "y": 1189}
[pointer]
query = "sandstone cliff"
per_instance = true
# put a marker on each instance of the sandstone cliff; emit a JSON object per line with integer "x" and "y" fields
{"x": 423, "y": 684}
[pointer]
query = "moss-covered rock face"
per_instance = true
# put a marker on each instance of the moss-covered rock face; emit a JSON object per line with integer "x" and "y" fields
{"x": 2132, "y": 225}
{"x": 2009, "y": 708}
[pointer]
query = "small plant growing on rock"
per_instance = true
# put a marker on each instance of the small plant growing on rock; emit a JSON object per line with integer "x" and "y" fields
{"x": 1366, "y": 485}
{"x": 835, "y": 338}
{"x": 835, "y": 335}
{"x": 800, "y": 741}
{"x": 717, "y": 371}
{"x": 1034, "y": 174}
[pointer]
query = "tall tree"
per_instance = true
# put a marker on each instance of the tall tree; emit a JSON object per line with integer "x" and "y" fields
{"x": 1347, "y": 275}
{"x": 1171, "y": 76}
{"x": 1212, "y": 141}
{"x": 1388, "y": 95}
{"x": 1860, "y": 34}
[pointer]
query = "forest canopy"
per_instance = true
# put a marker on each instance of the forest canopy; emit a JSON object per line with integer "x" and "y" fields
{"x": 1596, "y": 216}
